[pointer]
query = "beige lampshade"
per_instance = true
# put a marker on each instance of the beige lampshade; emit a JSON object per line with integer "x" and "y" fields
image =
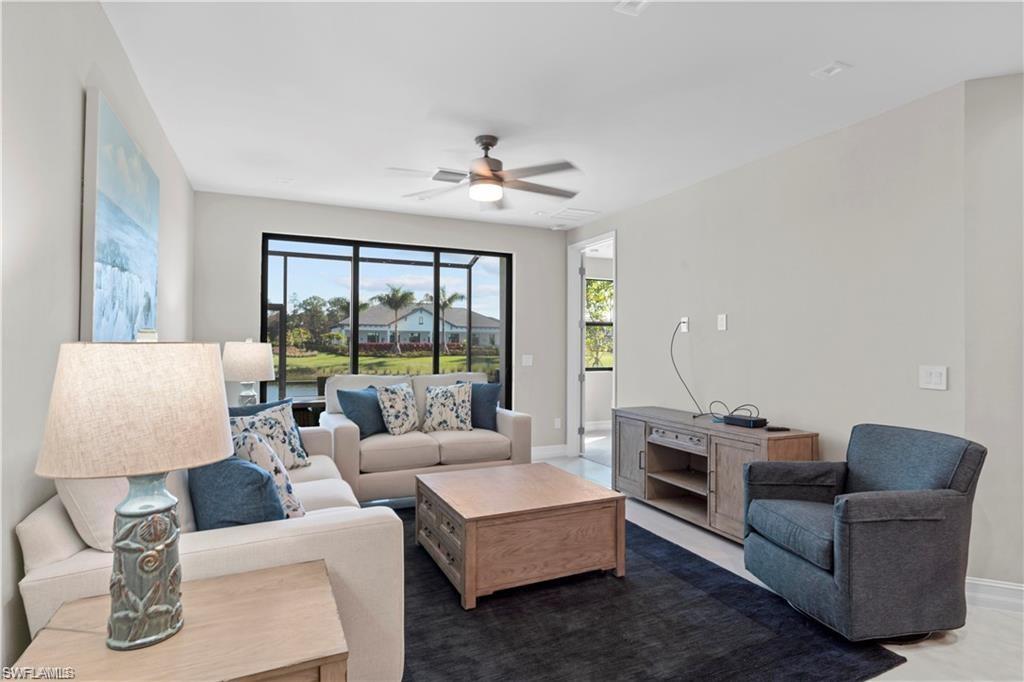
{"x": 127, "y": 409}
{"x": 248, "y": 361}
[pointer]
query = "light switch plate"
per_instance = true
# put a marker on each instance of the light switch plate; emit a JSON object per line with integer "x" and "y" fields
{"x": 558, "y": 422}
{"x": 527, "y": 361}
{"x": 684, "y": 324}
{"x": 932, "y": 377}
{"x": 723, "y": 322}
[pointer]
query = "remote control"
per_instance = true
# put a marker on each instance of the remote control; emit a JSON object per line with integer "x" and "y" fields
{"x": 776, "y": 428}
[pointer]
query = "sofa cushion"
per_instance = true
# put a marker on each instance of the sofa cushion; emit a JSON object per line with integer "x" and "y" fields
{"x": 90, "y": 503}
{"x": 362, "y": 406}
{"x": 277, "y": 426}
{"x": 449, "y": 408}
{"x": 233, "y": 492}
{"x": 478, "y": 445}
{"x": 355, "y": 381}
{"x": 485, "y": 400}
{"x": 420, "y": 383}
{"x": 320, "y": 467}
{"x": 385, "y": 452}
{"x": 252, "y": 448}
{"x": 398, "y": 408}
{"x": 325, "y": 494}
{"x": 803, "y": 528}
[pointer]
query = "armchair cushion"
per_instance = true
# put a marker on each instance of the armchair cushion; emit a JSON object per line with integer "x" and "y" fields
{"x": 803, "y": 528}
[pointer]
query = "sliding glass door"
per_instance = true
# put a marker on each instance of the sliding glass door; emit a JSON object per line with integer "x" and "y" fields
{"x": 333, "y": 306}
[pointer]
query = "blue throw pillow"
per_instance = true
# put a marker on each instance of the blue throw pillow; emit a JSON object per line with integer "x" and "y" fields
{"x": 233, "y": 492}
{"x": 485, "y": 405}
{"x": 250, "y": 410}
{"x": 362, "y": 407}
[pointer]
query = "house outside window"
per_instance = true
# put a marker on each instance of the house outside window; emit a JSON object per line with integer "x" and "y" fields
{"x": 599, "y": 353}
{"x": 336, "y": 306}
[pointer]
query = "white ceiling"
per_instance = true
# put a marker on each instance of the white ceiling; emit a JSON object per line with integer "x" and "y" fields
{"x": 315, "y": 101}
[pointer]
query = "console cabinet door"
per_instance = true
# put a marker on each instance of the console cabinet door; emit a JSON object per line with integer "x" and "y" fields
{"x": 630, "y": 446}
{"x": 725, "y": 495}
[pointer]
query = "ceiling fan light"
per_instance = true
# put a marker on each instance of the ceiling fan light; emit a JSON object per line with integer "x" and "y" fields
{"x": 485, "y": 189}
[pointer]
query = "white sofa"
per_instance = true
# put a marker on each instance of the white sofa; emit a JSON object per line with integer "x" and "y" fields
{"x": 383, "y": 466}
{"x": 362, "y": 549}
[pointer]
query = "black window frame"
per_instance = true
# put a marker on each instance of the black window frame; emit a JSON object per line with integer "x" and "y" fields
{"x": 355, "y": 244}
{"x": 587, "y": 324}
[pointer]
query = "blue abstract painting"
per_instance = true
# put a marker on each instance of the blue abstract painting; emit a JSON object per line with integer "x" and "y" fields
{"x": 125, "y": 235}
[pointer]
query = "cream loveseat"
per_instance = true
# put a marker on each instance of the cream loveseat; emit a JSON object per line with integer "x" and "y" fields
{"x": 383, "y": 466}
{"x": 362, "y": 549}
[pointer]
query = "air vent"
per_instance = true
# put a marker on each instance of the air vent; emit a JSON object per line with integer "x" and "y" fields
{"x": 448, "y": 175}
{"x": 573, "y": 215}
{"x": 632, "y": 8}
{"x": 830, "y": 70}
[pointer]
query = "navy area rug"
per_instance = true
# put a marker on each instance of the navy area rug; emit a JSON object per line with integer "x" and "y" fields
{"x": 675, "y": 616}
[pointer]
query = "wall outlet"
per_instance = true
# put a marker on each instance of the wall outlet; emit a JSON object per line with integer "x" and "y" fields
{"x": 932, "y": 377}
{"x": 527, "y": 361}
{"x": 723, "y": 322}
{"x": 558, "y": 422}
{"x": 684, "y": 324}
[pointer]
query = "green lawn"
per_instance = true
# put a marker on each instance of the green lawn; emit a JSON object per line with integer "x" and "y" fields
{"x": 326, "y": 364}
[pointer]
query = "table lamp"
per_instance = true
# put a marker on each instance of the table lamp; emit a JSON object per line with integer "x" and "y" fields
{"x": 138, "y": 410}
{"x": 247, "y": 363}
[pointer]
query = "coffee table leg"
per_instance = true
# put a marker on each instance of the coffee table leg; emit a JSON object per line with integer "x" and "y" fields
{"x": 620, "y": 538}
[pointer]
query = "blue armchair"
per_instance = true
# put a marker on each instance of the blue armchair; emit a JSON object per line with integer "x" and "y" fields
{"x": 874, "y": 547}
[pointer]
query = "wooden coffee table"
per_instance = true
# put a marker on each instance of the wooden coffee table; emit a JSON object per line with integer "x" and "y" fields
{"x": 499, "y": 527}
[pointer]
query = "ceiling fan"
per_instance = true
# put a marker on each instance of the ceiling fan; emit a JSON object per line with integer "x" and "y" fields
{"x": 488, "y": 180}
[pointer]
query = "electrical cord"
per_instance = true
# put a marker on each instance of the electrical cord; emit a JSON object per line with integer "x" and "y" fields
{"x": 749, "y": 409}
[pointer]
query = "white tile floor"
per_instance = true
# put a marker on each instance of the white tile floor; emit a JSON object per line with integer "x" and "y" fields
{"x": 989, "y": 647}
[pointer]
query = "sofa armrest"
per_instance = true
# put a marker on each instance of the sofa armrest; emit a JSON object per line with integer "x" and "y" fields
{"x": 345, "y": 434}
{"x": 362, "y": 549}
{"x": 806, "y": 481}
{"x": 517, "y": 427}
{"x": 317, "y": 440}
{"x": 47, "y": 535}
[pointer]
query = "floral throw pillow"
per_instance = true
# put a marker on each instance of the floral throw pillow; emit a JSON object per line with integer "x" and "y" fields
{"x": 276, "y": 425}
{"x": 398, "y": 407}
{"x": 449, "y": 408}
{"x": 252, "y": 447}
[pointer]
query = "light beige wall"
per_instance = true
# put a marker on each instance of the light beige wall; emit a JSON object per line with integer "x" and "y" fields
{"x": 841, "y": 265}
{"x": 51, "y": 53}
{"x": 227, "y": 291}
{"x": 993, "y": 288}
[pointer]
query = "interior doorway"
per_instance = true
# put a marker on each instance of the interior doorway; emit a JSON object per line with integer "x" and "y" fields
{"x": 591, "y": 352}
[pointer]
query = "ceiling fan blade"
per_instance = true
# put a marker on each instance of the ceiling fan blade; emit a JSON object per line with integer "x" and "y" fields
{"x": 539, "y": 189}
{"x": 541, "y": 169}
{"x": 431, "y": 193}
{"x": 409, "y": 171}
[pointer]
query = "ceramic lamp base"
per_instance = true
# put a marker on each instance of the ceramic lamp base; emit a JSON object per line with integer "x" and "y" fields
{"x": 145, "y": 586}
{"x": 248, "y": 395}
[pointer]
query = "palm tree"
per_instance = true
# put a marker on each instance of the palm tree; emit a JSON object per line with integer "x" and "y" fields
{"x": 396, "y": 298}
{"x": 444, "y": 302}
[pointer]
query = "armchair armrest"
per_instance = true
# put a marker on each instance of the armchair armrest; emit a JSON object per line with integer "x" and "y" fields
{"x": 806, "y": 481}
{"x": 516, "y": 426}
{"x": 346, "y": 446}
{"x": 897, "y": 505}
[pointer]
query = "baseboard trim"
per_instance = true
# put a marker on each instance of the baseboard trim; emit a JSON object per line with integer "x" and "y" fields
{"x": 549, "y": 451}
{"x": 995, "y": 594}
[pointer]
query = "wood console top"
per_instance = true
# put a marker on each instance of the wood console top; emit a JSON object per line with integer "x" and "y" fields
{"x": 686, "y": 420}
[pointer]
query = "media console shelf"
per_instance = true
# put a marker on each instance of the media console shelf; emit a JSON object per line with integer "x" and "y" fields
{"x": 692, "y": 467}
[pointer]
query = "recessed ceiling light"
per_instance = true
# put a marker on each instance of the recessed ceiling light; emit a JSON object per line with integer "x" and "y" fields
{"x": 285, "y": 181}
{"x": 538, "y": 213}
{"x": 631, "y": 8}
{"x": 830, "y": 70}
